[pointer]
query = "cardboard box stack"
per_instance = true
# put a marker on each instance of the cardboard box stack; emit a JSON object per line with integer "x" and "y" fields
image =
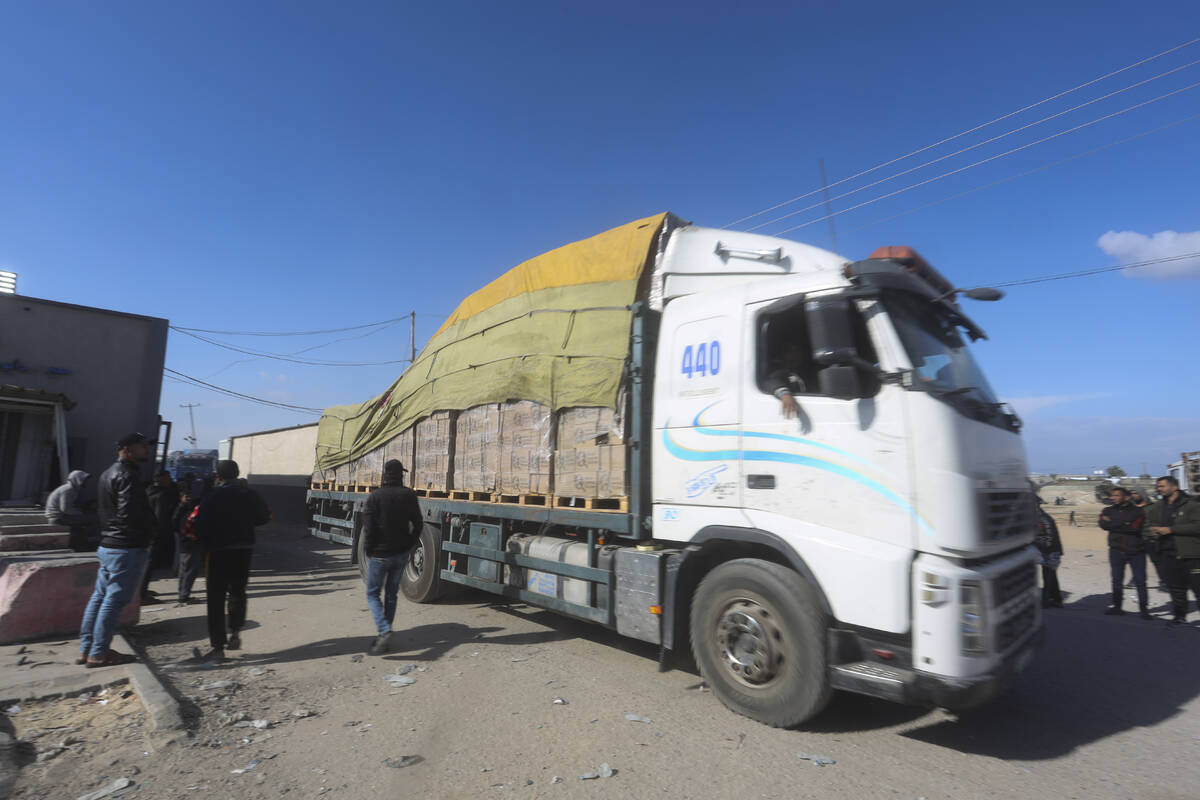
{"x": 434, "y": 452}
{"x": 477, "y": 448}
{"x": 590, "y": 461}
{"x": 526, "y": 448}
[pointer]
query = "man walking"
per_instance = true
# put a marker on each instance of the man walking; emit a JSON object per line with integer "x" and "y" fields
{"x": 224, "y": 524}
{"x": 127, "y": 526}
{"x": 391, "y": 525}
{"x": 189, "y": 555}
{"x": 1123, "y": 521}
{"x": 1050, "y": 551}
{"x": 1174, "y": 521}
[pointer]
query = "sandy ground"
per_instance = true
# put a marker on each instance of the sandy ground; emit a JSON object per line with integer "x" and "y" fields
{"x": 1109, "y": 709}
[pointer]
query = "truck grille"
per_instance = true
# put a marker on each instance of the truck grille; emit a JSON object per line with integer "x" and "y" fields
{"x": 1005, "y": 515}
{"x": 1011, "y": 630}
{"x": 1015, "y": 582}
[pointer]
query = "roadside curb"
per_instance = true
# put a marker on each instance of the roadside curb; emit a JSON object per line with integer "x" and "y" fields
{"x": 160, "y": 705}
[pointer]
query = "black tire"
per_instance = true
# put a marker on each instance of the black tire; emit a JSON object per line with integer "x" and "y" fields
{"x": 421, "y": 582}
{"x": 758, "y": 636}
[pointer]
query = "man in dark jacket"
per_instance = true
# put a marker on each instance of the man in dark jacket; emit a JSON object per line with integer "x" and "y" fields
{"x": 1175, "y": 523}
{"x": 224, "y": 524}
{"x": 164, "y": 499}
{"x": 127, "y": 526}
{"x": 391, "y": 525}
{"x": 1050, "y": 551}
{"x": 1123, "y": 521}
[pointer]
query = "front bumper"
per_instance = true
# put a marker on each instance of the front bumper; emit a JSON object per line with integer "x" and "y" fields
{"x": 913, "y": 687}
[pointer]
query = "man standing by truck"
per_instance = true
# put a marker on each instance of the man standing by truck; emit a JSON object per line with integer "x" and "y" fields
{"x": 1175, "y": 521}
{"x": 126, "y": 528}
{"x": 391, "y": 524}
{"x": 1123, "y": 521}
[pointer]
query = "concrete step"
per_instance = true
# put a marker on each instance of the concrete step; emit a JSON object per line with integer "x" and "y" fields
{"x": 57, "y": 539}
{"x": 44, "y": 594}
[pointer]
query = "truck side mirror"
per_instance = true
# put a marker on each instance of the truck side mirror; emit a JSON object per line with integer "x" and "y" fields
{"x": 832, "y": 338}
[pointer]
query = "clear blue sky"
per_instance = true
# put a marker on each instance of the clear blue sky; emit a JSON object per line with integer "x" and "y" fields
{"x": 292, "y": 166}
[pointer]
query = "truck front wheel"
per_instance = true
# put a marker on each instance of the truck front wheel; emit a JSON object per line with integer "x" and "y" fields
{"x": 420, "y": 581}
{"x": 758, "y": 636}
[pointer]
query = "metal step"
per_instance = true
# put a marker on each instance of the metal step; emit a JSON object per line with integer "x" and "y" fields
{"x": 874, "y": 679}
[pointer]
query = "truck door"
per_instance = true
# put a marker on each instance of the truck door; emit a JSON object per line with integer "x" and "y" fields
{"x": 828, "y": 474}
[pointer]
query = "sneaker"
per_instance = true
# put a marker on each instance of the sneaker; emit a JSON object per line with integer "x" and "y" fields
{"x": 235, "y": 642}
{"x": 380, "y": 645}
{"x": 1179, "y": 620}
{"x": 214, "y": 656}
{"x": 1114, "y": 611}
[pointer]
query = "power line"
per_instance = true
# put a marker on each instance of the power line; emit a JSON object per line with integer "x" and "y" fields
{"x": 1083, "y": 273}
{"x": 975, "y": 146}
{"x": 293, "y": 333}
{"x": 1025, "y": 173}
{"x": 992, "y": 158}
{"x": 188, "y": 380}
{"x": 966, "y": 132}
{"x": 282, "y": 357}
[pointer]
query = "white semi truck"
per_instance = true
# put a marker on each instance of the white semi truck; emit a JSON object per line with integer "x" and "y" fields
{"x": 875, "y": 537}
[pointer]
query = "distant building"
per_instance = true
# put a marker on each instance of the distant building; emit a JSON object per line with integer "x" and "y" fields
{"x": 73, "y": 380}
{"x": 1186, "y": 470}
{"x": 279, "y": 465}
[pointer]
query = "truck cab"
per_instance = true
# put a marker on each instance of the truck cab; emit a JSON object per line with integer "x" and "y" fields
{"x": 893, "y": 482}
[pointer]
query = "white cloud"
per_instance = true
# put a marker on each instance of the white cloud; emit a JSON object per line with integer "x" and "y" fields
{"x": 1133, "y": 246}
{"x": 1027, "y": 406}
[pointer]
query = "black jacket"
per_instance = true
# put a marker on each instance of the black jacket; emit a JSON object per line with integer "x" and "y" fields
{"x": 1047, "y": 539}
{"x": 126, "y": 519}
{"x": 1124, "y": 526}
{"x": 227, "y": 515}
{"x": 163, "y": 501}
{"x": 391, "y": 520}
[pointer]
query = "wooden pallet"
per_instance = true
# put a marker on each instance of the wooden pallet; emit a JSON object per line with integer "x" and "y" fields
{"x": 432, "y": 493}
{"x": 474, "y": 497}
{"x": 521, "y": 499}
{"x": 593, "y": 503}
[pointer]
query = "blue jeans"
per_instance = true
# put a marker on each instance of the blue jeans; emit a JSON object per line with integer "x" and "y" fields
{"x": 1137, "y": 566}
{"x": 117, "y": 579}
{"x": 383, "y": 574}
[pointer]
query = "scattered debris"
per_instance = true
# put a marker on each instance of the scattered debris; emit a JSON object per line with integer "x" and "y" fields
{"x": 820, "y": 761}
{"x": 257, "y": 671}
{"x": 702, "y": 686}
{"x": 486, "y": 769}
{"x": 303, "y": 713}
{"x": 357, "y": 659}
{"x": 217, "y": 686}
{"x": 558, "y": 701}
{"x": 126, "y": 693}
{"x": 518, "y": 660}
{"x": 13, "y": 709}
{"x": 114, "y": 789}
{"x": 399, "y": 681}
{"x": 636, "y": 718}
{"x": 320, "y": 771}
{"x": 261, "y": 724}
{"x": 404, "y": 669}
{"x": 603, "y": 771}
{"x": 246, "y": 768}
{"x": 556, "y": 779}
{"x": 402, "y": 761}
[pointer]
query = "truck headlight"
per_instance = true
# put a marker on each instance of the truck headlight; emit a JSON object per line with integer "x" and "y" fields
{"x": 935, "y": 589}
{"x": 974, "y": 617}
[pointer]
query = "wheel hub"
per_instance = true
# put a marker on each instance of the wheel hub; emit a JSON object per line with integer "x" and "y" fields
{"x": 416, "y": 562}
{"x": 748, "y": 641}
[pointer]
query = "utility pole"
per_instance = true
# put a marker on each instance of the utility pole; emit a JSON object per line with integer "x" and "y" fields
{"x": 412, "y": 337}
{"x": 192, "y": 419}
{"x": 828, "y": 205}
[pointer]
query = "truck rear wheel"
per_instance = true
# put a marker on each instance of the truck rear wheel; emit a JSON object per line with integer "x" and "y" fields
{"x": 421, "y": 582}
{"x": 758, "y": 636}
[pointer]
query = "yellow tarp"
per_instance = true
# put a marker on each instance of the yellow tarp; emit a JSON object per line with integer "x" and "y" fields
{"x": 554, "y": 330}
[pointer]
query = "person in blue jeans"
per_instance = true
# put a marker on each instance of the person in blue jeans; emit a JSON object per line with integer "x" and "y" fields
{"x": 127, "y": 526}
{"x": 391, "y": 525}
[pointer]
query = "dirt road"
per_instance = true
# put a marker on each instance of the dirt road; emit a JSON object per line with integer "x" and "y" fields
{"x": 1109, "y": 709}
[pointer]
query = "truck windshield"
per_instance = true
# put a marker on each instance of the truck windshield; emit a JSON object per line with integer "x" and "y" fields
{"x": 942, "y": 364}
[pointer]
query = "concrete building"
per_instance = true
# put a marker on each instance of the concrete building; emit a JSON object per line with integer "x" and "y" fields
{"x": 1186, "y": 471}
{"x": 278, "y": 464}
{"x": 73, "y": 380}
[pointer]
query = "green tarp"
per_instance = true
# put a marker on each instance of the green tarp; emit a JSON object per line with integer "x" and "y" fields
{"x": 554, "y": 330}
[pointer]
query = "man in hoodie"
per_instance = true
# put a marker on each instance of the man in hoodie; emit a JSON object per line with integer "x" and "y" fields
{"x": 1123, "y": 521}
{"x": 63, "y": 508}
{"x": 127, "y": 526}
{"x": 224, "y": 524}
{"x": 391, "y": 525}
{"x": 1175, "y": 523}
